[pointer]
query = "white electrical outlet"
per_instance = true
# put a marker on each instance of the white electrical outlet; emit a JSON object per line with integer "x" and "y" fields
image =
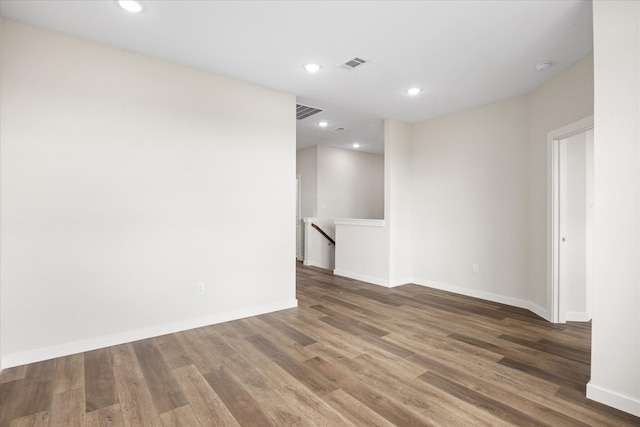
{"x": 200, "y": 288}
{"x": 474, "y": 268}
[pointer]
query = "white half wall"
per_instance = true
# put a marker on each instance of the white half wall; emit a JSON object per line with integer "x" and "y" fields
{"x": 615, "y": 343}
{"x": 125, "y": 181}
{"x": 363, "y": 252}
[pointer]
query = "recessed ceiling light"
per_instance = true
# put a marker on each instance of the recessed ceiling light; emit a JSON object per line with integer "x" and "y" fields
{"x": 356, "y": 145}
{"x": 323, "y": 124}
{"x": 543, "y": 65}
{"x": 132, "y": 6}
{"x": 312, "y": 68}
{"x": 414, "y": 91}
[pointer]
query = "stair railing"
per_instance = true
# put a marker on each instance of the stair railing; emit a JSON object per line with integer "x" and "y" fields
{"x": 321, "y": 231}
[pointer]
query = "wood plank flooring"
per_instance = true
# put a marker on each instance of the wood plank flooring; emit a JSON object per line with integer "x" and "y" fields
{"x": 350, "y": 354}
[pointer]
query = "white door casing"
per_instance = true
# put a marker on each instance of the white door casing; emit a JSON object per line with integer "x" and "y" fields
{"x": 554, "y": 147}
{"x": 575, "y": 227}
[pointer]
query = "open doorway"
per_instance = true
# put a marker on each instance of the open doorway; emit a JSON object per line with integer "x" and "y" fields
{"x": 571, "y": 222}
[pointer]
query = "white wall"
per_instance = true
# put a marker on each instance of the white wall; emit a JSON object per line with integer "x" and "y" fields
{"x": 307, "y": 169}
{"x": 480, "y": 191}
{"x": 589, "y": 244}
{"x": 340, "y": 184}
{"x": 350, "y": 185}
{"x": 470, "y": 200}
{"x": 615, "y": 351}
{"x": 307, "y": 173}
{"x": 125, "y": 181}
{"x": 398, "y": 197}
{"x": 565, "y": 99}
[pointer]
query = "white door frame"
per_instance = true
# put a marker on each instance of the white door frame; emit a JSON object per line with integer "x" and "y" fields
{"x": 553, "y": 211}
{"x": 299, "y": 223}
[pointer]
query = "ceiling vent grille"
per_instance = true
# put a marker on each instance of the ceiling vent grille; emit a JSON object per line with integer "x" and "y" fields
{"x": 303, "y": 111}
{"x": 339, "y": 129}
{"x": 353, "y": 63}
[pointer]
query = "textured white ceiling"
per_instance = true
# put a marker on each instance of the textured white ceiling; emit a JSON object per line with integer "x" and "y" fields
{"x": 462, "y": 53}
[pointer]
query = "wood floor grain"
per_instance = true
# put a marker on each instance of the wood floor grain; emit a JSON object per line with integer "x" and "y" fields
{"x": 351, "y": 354}
{"x": 99, "y": 383}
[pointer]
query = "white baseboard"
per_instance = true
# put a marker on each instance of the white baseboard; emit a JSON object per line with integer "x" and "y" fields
{"x": 516, "y": 302}
{"x": 373, "y": 280}
{"x": 502, "y": 299}
{"x": 577, "y": 316}
{"x": 615, "y": 400}
{"x": 65, "y": 349}
{"x": 399, "y": 282}
{"x": 363, "y": 278}
{"x": 537, "y": 310}
{"x": 314, "y": 263}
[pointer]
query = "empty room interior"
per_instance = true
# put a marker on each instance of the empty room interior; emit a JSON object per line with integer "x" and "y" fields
{"x": 319, "y": 213}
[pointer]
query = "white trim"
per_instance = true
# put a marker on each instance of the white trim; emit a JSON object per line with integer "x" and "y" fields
{"x": 299, "y": 220}
{"x": 310, "y": 219}
{"x": 314, "y": 263}
{"x": 577, "y": 316}
{"x": 553, "y": 211}
{"x": 615, "y": 400}
{"x": 51, "y": 352}
{"x": 571, "y": 129}
{"x": 363, "y": 278}
{"x": 361, "y": 222}
{"x": 536, "y": 309}
{"x": 488, "y": 296}
{"x": 560, "y": 218}
{"x": 399, "y": 282}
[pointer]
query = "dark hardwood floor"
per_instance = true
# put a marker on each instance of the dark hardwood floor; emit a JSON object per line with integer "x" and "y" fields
{"x": 350, "y": 354}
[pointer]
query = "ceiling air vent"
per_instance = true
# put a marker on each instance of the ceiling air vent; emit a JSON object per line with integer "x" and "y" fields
{"x": 352, "y": 63}
{"x": 338, "y": 129}
{"x": 303, "y": 111}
